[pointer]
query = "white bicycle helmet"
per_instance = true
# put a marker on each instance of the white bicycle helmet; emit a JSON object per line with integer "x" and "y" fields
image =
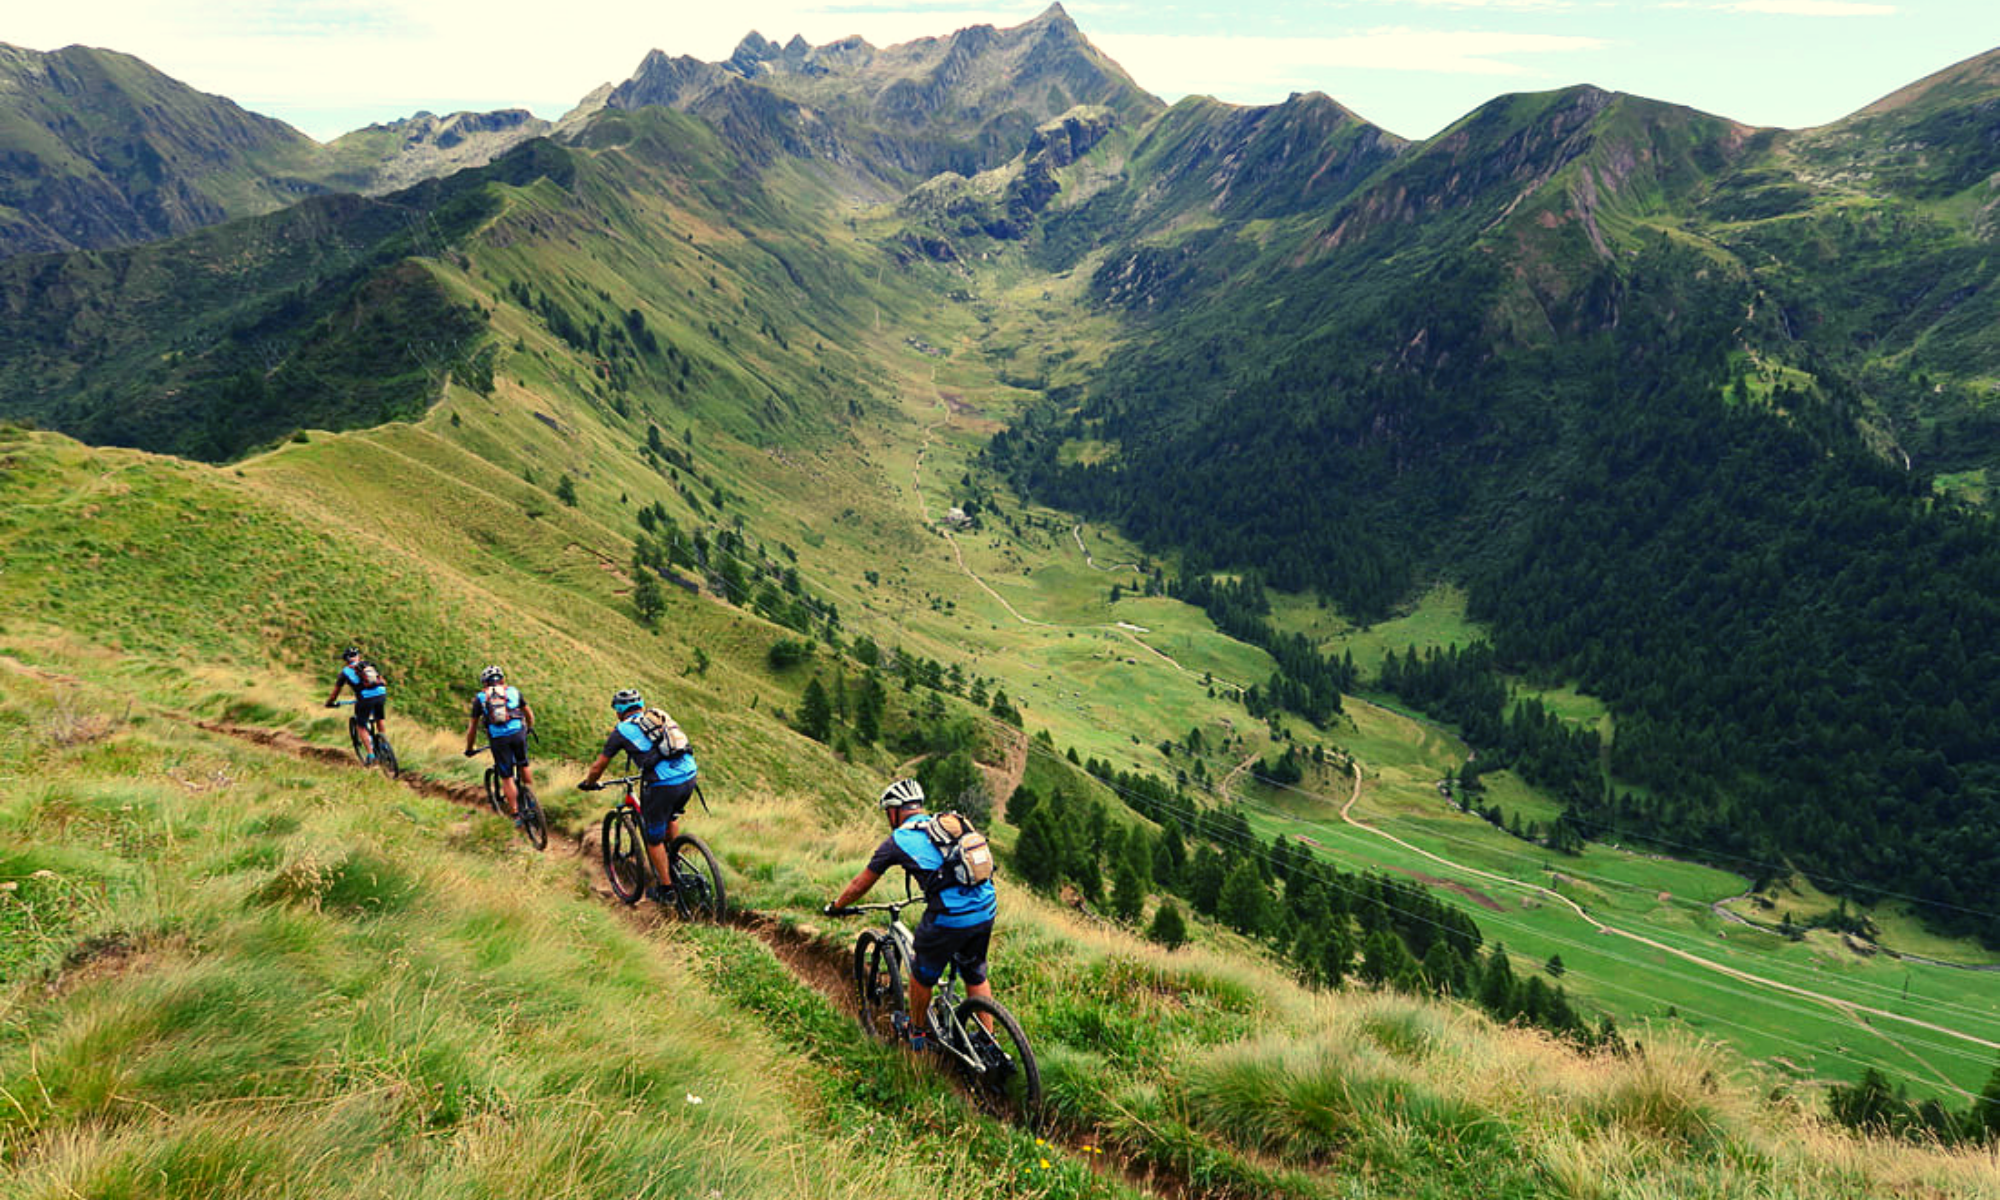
{"x": 902, "y": 792}
{"x": 625, "y": 700}
{"x": 491, "y": 676}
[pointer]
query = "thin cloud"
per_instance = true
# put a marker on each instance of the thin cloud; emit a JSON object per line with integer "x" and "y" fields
{"x": 1224, "y": 65}
{"x": 1811, "y": 8}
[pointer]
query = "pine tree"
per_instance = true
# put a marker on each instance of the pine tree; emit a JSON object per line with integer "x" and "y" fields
{"x": 1037, "y": 857}
{"x": 1128, "y": 891}
{"x": 1205, "y": 880}
{"x": 1497, "y": 987}
{"x": 647, "y": 599}
{"x": 868, "y": 710}
{"x": 1170, "y": 857}
{"x": 1243, "y": 900}
{"x": 1169, "y": 928}
{"x": 815, "y": 713}
{"x": 1984, "y": 1122}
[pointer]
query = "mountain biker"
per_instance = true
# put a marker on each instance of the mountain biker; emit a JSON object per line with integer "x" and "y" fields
{"x": 370, "y": 696}
{"x": 508, "y": 720}
{"x": 668, "y": 785}
{"x": 958, "y": 921}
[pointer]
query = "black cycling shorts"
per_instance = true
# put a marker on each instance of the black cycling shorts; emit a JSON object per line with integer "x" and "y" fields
{"x": 509, "y": 751}
{"x": 963, "y": 947}
{"x": 659, "y": 805}
{"x": 370, "y": 711}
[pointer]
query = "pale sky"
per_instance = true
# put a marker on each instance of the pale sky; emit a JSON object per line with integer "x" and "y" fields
{"x": 1410, "y": 66}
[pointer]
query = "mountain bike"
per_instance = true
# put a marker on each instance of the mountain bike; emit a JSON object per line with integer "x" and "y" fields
{"x": 532, "y": 822}
{"x": 697, "y": 878}
{"x": 385, "y": 754}
{"x": 982, "y": 1040}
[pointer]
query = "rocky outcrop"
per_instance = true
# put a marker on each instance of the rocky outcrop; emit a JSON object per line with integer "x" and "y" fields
{"x": 965, "y": 103}
{"x": 400, "y": 153}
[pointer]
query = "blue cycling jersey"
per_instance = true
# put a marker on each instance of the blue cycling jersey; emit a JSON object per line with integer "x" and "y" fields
{"x": 353, "y": 678}
{"x": 626, "y": 736}
{"x": 513, "y": 725}
{"x": 910, "y": 848}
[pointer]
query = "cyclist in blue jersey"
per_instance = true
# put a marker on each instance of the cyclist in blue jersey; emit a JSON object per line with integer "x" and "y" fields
{"x": 958, "y": 921}
{"x": 508, "y": 720}
{"x": 658, "y": 750}
{"x": 371, "y": 694}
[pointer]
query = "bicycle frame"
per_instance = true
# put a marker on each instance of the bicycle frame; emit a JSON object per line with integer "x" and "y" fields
{"x": 944, "y": 1024}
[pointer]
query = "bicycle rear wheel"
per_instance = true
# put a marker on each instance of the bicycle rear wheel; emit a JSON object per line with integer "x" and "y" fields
{"x": 1011, "y": 1084}
{"x": 533, "y": 823}
{"x": 385, "y": 755}
{"x": 624, "y": 854}
{"x": 878, "y": 985}
{"x": 698, "y": 891}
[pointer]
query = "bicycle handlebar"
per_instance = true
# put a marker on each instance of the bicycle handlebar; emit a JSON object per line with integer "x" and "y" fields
{"x": 855, "y": 910}
{"x": 601, "y": 784}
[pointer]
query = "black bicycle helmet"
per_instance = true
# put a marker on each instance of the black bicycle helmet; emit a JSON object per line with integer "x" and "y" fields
{"x": 491, "y": 676}
{"x": 901, "y": 793}
{"x": 624, "y": 700}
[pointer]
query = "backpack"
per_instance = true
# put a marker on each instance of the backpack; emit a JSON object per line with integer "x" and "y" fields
{"x": 498, "y": 711}
{"x": 370, "y": 677}
{"x": 968, "y": 860}
{"x": 668, "y": 738}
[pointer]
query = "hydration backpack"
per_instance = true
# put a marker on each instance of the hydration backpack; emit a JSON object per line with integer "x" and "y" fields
{"x": 370, "y": 677}
{"x": 498, "y": 710}
{"x": 968, "y": 860}
{"x": 668, "y": 738}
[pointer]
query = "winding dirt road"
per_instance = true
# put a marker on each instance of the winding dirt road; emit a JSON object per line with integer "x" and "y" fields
{"x": 1847, "y": 1008}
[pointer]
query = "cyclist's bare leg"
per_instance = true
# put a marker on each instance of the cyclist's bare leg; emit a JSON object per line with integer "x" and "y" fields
{"x": 982, "y": 988}
{"x": 367, "y": 738}
{"x": 920, "y": 1006}
{"x": 657, "y": 851}
{"x": 507, "y": 790}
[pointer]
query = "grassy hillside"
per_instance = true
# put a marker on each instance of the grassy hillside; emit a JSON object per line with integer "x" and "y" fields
{"x": 232, "y": 964}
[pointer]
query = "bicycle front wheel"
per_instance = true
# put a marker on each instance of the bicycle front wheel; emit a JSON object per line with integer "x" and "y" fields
{"x": 698, "y": 891}
{"x": 1010, "y": 1084}
{"x": 493, "y": 791}
{"x": 878, "y": 985}
{"x": 624, "y": 855}
{"x": 532, "y": 822}
{"x": 354, "y": 735}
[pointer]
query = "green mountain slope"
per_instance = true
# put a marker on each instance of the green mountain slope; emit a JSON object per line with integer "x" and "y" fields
{"x": 1563, "y": 323}
{"x": 98, "y": 149}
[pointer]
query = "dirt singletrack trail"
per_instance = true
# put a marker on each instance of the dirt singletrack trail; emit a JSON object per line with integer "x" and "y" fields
{"x": 1847, "y": 1008}
{"x": 827, "y": 970}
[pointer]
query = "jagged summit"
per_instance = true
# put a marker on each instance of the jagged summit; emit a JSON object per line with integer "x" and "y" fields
{"x": 965, "y": 102}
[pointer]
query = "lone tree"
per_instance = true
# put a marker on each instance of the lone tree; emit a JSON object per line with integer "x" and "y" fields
{"x": 815, "y": 712}
{"x": 566, "y": 490}
{"x": 647, "y": 599}
{"x": 1169, "y": 928}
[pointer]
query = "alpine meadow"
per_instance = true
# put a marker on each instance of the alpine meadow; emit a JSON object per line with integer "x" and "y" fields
{"x": 1479, "y": 657}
